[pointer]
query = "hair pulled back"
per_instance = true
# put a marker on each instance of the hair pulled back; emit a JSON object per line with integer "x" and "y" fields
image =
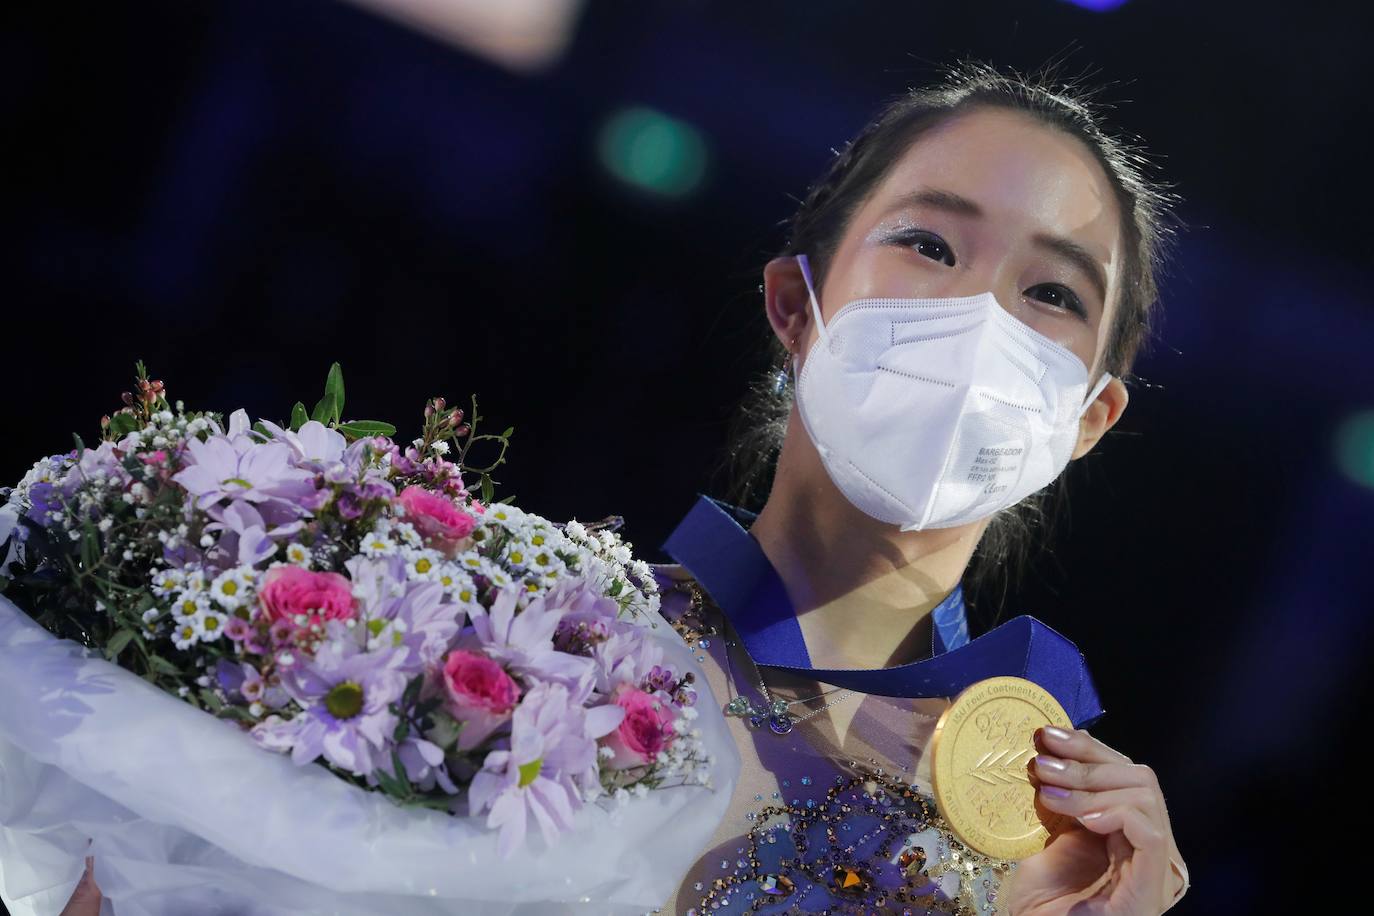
{"x": 819, "y": 224}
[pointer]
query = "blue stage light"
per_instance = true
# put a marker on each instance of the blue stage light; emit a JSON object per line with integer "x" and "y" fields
{"x": 1098, "y": 6}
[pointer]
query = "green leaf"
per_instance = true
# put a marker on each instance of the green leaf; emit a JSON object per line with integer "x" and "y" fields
{"x": 90, "y": 546}
{"x": 261, "y": 430}
{"x": 330, "y": 407}
{"x": 211, "y": 700}
{"x": 487, "y": 490}
{"x": 121, "y": 424}
{"x": 324, "y": 410}
{"x": 509, "y": 430}
{"x": 402, "y": 730}
{"x": 412, "y": 692}
{"x": 80, "y": 446}
{"x": 162, "y": 666}
{"x": 505, "y": 499}
{"x": 237, "y": 712}
{"x": 298, "y": 417}
{"x": 117, "y": 644}
{"x": 388, "y": 784}
{"x": 359, "y": 429}
{"x": 334, "y": 387}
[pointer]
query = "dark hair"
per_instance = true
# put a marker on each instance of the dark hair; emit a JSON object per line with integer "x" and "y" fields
{"x": 820, "y": 222}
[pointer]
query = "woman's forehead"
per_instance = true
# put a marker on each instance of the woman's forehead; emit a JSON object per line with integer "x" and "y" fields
{"x": 1026, "y": 175}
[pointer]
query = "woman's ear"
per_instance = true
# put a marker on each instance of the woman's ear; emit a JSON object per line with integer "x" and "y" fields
{"x": 785, "y": 299}
{"x": 1101, "y": 416}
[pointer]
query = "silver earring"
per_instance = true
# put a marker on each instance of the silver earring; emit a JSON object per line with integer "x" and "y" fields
{"x": 784, "y": 372}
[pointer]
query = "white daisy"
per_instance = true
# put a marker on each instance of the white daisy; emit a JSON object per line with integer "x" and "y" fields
{"x": 517, "y": 552}
{"x": 423, "y": 564}
{"x": 471, "y": 561}
{"x": 464, "y": 589}
{"x": 405, "y": 532}
{"x": 505, "y": 514}
{"x": 190, "y": 604}
{"x": 168, "y": 582}
{"x": 377, "y": 544}
{"x": 497, "y": 576}
{"x": 211, "y": 625}
{"x": 298, "y": 554}
{"x": 185, "y": 635}
{"x": 542, "y": 560}
{"x": 193, "y": 580}
{"x": 232, "y": 587}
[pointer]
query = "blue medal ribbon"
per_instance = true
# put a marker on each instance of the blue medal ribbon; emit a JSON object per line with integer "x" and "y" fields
{"x": 731, "y": 566}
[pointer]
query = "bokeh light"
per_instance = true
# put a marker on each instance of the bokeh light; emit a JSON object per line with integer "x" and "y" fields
{"x": 1355, "y": 447}
{"x": 652, "y": 151}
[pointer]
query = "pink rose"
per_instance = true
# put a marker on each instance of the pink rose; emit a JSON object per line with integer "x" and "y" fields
{"x": 289, "y": 590}
{"x": 645, "y": 731}
{"x": 481, "y": 695}
{"x": 441, "y": 523}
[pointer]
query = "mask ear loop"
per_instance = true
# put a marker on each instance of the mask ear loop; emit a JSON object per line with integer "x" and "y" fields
{"x": 1092, "y": 395}
{"x": 811, "y": 291}
{"x": 805, "y": 266}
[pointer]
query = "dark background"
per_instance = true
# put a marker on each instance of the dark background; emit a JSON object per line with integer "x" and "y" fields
{"x": 241, "y": 192}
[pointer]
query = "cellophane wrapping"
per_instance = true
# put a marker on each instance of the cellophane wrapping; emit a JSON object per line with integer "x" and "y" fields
{"x": 184, "y": 814}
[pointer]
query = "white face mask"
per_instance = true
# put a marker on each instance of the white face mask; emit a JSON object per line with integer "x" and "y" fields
{"x": 931, "y": 413}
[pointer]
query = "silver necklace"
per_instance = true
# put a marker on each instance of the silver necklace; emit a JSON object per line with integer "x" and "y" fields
{"x": 775, "y": 711}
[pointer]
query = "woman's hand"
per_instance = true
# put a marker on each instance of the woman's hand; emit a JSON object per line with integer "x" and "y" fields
{"x": 1116, "y": 858}
{"x": 85, "y": 900}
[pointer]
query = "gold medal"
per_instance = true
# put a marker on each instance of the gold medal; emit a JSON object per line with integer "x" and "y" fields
{"x": 980, "y": 758}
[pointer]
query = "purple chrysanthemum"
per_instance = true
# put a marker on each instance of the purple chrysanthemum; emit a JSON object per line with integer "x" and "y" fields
{"x": 345, "y": 694}
{"x": 552, "y": 746}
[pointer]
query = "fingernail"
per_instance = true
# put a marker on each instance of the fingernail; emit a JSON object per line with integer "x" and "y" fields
{"x": 1055, "y": 791}
{"x": 1051, "y": 763}
{"x": 1058, "y": 734}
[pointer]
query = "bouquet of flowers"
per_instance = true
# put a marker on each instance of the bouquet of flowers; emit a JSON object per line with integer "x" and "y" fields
{"x": 316, "y": 590}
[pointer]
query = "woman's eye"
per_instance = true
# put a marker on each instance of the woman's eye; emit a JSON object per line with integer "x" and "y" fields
{"x": 1059, "y": 296}
{"x": 928, "y": 244}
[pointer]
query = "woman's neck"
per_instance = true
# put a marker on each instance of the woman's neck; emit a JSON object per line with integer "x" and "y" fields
{"x": 863, "y": 589}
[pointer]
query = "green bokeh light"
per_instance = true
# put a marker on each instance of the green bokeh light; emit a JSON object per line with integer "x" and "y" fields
{"x": 1355, "y": 447}
{"x": 649, "y": 150}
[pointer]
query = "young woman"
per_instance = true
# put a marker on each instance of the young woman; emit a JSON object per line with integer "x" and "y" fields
{"x": 960, "y": 298}
{"x": 958, "y": 303}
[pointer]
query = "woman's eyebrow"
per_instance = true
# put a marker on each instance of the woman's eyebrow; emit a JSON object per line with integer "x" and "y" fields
{"x": 959, "y": 205}
{"x": 1076, "y": 255}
